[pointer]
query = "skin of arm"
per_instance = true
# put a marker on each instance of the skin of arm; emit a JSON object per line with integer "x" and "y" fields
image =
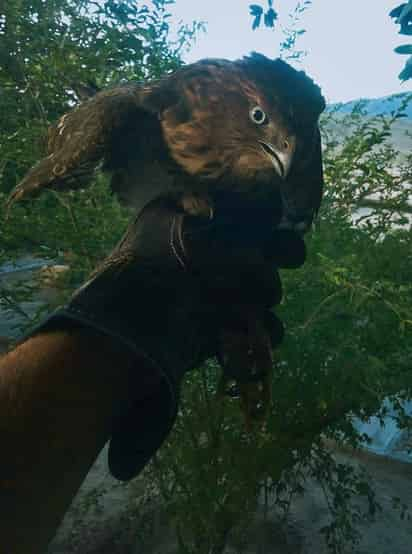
{"x": 58, "y": 391}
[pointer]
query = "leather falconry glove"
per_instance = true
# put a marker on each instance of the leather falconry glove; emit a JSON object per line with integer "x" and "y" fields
{"x": 165, "y": 292}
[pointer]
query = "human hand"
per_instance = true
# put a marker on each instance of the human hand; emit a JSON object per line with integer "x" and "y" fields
{"x": 166, "y": 292}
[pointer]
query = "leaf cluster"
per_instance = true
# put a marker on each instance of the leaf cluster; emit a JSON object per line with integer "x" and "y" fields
{"x": 403, "y": 17}
{"x": 49, "y": 50}
{"x": 269, "y": 16}
{"x": 290, "y": 31}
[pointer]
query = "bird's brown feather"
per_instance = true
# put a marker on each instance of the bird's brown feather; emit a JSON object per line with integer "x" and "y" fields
{"x": 189, "y": 132}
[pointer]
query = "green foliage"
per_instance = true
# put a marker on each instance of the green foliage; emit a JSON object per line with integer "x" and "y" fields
{"x": 403, "y": 17}
{"x": 348, "y": 311}
{"x": 291, "y": 31}
{"x": 48, "y": 49}
{"x": 269, "y": 16}
{"x": 74, "y": 229}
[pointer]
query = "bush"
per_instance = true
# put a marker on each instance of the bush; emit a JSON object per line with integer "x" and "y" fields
{"x": 348, "y": 310}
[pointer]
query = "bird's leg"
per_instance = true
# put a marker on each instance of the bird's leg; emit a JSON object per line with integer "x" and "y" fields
{"x": 200, "y": 205}
{"x": 256, "y": 396}
{"x": 248, "y": 355}
{"x": 256, "y": 399}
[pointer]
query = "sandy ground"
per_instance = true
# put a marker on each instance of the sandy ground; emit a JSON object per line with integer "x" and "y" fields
{"x": 108, "y": 517}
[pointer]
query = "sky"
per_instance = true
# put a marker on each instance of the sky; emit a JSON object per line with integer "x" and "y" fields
{"x": 349, "y": 42}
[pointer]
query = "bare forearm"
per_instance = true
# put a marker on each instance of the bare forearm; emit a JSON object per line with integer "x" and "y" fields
{"x": 57, "y": 395}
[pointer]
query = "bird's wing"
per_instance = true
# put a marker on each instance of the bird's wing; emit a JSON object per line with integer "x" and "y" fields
{"x": 85, "y": 138}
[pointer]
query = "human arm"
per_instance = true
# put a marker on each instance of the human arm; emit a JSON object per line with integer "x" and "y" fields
{"x": 57, "y": 392}
{"x": 69, "y": 388}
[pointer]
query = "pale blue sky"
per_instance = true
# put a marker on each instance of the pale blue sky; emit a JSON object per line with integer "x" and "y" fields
{"x": 349, "y": 42}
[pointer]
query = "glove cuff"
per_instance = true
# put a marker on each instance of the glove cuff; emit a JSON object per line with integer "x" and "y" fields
{"x": 149, "y": 419}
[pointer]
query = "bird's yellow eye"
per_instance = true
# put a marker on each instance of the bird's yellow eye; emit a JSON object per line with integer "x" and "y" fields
{"x": 258, "y": 116}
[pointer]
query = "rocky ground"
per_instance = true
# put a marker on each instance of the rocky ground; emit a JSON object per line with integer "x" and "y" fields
{"x": 108, "y": 517}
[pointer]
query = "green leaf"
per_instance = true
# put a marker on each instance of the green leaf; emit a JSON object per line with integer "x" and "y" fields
{"x": 404, "y": 49}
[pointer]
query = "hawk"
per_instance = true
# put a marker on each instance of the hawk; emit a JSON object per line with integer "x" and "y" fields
{"x": 249, "y": 125}
{"x": 245, "y": 128}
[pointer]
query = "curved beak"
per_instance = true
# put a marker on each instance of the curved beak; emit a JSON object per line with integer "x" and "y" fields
{"x": 281, "y": 160}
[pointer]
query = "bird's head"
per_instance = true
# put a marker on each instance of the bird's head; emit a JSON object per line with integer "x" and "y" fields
{"x": 251, "y": 125}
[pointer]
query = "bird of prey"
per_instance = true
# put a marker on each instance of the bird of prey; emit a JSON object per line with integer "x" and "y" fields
{"x": 216, "y": 126}
{"x": 249, "y": 125}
